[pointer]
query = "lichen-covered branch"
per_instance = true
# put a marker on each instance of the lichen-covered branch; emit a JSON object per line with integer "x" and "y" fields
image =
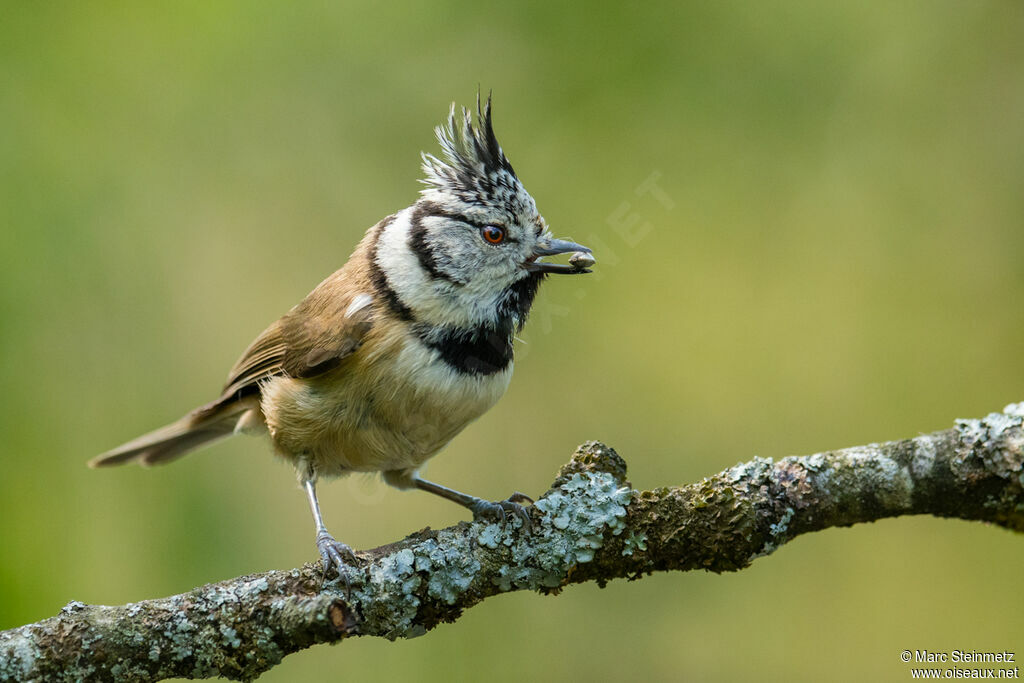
{"x": 590, "y": 526}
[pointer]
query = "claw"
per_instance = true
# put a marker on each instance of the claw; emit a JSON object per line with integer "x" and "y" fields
{"x": 496, "y": 511}
{"x": 331, "y": 552}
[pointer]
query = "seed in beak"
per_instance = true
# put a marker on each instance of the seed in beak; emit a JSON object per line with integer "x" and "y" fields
{"x": 581, "y": 260}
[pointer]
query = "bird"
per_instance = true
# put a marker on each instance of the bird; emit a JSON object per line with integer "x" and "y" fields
{"x": 394, "y": 354}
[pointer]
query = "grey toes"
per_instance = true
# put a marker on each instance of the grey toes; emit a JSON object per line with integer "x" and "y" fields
{"x": 336, "y": 555}
{"x": 497, "y": 511}
{"x": 517, "y": 497}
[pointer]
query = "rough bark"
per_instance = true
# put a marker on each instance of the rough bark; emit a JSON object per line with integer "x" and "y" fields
{"x": 590, "y": 526}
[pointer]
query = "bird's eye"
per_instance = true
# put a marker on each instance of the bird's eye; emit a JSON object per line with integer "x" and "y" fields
{"x": 493, "y": 234}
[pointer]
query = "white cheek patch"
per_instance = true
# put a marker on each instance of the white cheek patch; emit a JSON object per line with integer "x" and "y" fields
{"x": 400, "y": 266}
{"x": 432, "y": 301}
{"x": 394, "y": 256}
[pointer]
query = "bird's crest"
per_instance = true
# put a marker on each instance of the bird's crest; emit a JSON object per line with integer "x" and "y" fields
{"x": 473, "y": 160}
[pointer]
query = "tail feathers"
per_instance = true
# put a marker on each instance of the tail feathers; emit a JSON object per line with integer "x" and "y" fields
{"x": 170, "y": 442}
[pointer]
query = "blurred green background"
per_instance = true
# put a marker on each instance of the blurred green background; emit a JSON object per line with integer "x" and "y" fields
{"x": 836, "y": 259}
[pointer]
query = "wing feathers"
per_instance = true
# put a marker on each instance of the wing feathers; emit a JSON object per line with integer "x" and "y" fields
{"x": 313, "y": 338}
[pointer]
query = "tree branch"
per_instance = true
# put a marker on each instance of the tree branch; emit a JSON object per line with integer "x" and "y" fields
{"x": 590, "y": 526}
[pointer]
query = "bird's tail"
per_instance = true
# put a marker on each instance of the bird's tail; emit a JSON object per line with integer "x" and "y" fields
{"x": 200, "y": 427}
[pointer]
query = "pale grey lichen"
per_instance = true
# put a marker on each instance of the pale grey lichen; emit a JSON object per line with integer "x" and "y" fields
{"x": 924, "y": 456}
{"x": 180, "y": 637}
{"x": 389, "y": 603}
{"x": 20, "y": 655}
{"x": 777, "y": 534}
{"x": 575, "y": 519}
{"x": 72, "y": 607}
{"x": 997, "y": 441}
{"x": 490, "y": 536}
{"x": 635, "y": 541}
{"x": 815, "y": 462}
{"x": 867, "y": 468}
{"x": 230, "y": 636}
{"x": 778, "y": 530}
{"x": 451, "y": 563}
{"x": 754, "y": 470}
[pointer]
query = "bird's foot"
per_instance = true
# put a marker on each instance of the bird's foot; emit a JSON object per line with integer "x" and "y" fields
{"x": 497, "y": 511}
{"x": 334, "y": 554}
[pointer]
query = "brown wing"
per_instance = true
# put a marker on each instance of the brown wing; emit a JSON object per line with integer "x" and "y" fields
{"x": 264, "y": 358}
{"x": 313, "y": 338}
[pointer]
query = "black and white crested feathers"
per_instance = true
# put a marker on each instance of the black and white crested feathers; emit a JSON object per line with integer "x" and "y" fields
{"x": 474, "y": 169}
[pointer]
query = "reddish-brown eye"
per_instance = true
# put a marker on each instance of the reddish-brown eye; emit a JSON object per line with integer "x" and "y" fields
{"x": 494, "y": 234}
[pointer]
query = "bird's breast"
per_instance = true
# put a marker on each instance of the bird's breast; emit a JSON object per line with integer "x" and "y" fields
{"x": 397, "y": 403}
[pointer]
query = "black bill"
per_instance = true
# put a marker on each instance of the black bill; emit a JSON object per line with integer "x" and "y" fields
{"x": 580, "y": 261}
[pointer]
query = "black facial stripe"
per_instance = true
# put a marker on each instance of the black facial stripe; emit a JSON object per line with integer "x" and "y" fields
{"x": 480, "y": 351}
{"x": 380, "y": 281}
{"x": 435, "y": 209}
{"x": 419, "y": 245}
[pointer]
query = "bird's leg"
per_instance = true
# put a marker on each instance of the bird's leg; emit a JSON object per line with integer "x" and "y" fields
{"x": 481, "y": 509}
{"x": 331, "y": 551}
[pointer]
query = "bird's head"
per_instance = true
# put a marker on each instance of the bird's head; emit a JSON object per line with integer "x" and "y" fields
{"x": 476, "y": 232}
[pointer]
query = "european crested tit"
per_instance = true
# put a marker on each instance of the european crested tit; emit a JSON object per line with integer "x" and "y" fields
{"x": 381, "y": 365}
